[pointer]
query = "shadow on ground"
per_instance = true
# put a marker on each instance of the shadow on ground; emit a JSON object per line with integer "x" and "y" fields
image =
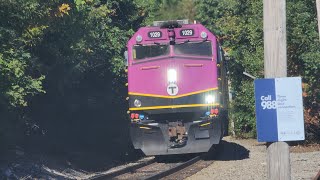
{"x": 175, "y": 158}
{"x": 227, "y": 151}
{"x": 101, "y": 161}
{"x": 76, "y": 163}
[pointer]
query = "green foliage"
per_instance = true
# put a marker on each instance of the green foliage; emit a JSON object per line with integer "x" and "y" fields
{"x": 175, "y": 9}
{"x": 17, "y": 35}
{"x": 239, "y": 27}
{"x": 33, "y": 35}
{"x": 73, "y": 51}
{"x": 160, "y": 10}
{"x": 16, "y": 85}
{"x": 304, "y": 50}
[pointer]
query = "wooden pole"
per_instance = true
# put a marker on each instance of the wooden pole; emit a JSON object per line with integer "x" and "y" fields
{"x": 275, "y": 65}
{"x": 318, "y": 12}
{"x": 317, "y": 176}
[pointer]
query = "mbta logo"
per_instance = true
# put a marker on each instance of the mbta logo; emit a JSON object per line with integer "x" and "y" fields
{"x": 267, "y": 103}
{"x": 172, "y": 89}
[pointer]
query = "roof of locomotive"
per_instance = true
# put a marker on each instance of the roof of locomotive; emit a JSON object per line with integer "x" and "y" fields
{"x": 159, "y": 32}
{"x": 170, "y": 23}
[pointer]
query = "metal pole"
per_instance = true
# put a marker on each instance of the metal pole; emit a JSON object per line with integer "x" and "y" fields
{"x": 275, "y": 65}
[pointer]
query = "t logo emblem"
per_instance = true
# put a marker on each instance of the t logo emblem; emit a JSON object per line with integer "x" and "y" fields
{"x": 172, "y": 89}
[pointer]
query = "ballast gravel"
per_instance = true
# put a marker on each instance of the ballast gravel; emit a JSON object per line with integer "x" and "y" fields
{"x": 232, "y": 159}
{"x": 246, "y": 159}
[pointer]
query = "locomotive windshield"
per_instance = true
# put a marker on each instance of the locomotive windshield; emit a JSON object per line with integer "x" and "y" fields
{"x": 149, "y": 51}
{"x": 202, "y": 48}
{"x": 194, "y": 48}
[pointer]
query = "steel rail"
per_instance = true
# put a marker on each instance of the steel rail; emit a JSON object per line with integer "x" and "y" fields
{"x": 122, "y": 171}
{"x": 174, "y": 169}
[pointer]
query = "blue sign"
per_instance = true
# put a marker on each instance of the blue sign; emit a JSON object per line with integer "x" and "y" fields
{"x": 279, "y": 109}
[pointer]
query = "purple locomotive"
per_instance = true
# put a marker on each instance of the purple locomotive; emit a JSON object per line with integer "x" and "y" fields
{"x": 177, "y": 88}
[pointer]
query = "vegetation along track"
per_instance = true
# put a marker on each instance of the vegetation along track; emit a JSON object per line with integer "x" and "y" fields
{"x": 153, "y": 169}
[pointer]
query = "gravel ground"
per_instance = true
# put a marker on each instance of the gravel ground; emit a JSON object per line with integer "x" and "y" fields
{"x": 234, "y": 159}
{"x": 246, "y": 159}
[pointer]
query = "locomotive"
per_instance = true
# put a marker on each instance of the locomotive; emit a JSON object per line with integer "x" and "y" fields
{"x": 177, "y": 88}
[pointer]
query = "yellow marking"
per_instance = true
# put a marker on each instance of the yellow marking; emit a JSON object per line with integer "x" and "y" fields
{"x": 172, "y": 106}
{"x": 134, "y": 54}
{"x": 142, "y": 127}
{"x": 205, "y": 124}
{"x": 193, "y": 65}
{"x": 172, "y": 97}
{"x": 150, "y": 67}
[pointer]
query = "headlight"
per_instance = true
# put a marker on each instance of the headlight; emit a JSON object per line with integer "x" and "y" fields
{"x": 172, "y": 75}
{"x": 137, "y": 103}
{"x": 139, "y": 38}
{"x": 203, "y": 35}
{"x": 210, "y": 99}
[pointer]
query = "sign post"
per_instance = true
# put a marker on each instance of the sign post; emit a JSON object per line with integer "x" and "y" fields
{"x": 275, "y": 65}
{"x": 279, "y": 113}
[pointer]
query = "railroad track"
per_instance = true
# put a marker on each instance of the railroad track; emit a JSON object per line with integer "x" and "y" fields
{"x": 148, "y": 170}
{"x": 123, "y": 171}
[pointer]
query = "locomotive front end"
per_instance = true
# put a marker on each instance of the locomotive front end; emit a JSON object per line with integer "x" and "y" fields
{"x": 176, "y": 89}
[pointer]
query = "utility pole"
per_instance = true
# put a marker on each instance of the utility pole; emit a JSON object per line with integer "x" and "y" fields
{"x": 275, "y": 65}
{"x": 318, "y": 12}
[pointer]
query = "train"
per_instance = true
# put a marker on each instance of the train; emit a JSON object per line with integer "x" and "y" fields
{"x": 177, "y": 88}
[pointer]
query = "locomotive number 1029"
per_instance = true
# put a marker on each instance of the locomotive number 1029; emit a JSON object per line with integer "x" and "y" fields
{"x": 187, "y": 32}
{"x": 155, "y": 34}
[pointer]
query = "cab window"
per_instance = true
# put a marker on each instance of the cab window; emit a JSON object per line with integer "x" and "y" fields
{"x": 202, "y": 48}
{"x": 148, "y": 51}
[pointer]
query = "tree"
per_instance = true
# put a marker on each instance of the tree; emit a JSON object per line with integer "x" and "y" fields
{"x": 318, "y": 12}
{"x": 161, "y": 10}
{"x": 19, "y": 78}
{"x": 238, "y": 24}
{"x": 72, "y": 50}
